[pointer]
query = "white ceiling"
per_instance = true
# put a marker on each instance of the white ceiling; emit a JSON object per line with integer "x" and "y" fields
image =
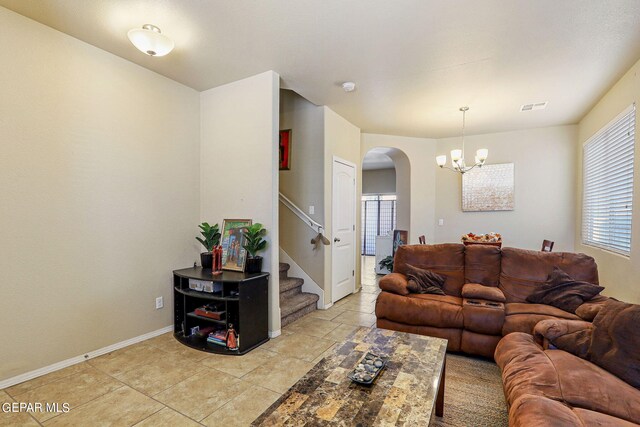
{"x": 377, "y": 158}
{"x": 415, "y": 62}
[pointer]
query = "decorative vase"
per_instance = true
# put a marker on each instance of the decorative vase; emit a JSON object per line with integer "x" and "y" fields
{"x": 254, "y": 264}
{"x": 206, "y": 259}
{"x": 217, "y": 261}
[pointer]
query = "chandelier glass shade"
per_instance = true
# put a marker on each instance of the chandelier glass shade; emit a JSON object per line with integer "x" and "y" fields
{"x": 457, "y": 156}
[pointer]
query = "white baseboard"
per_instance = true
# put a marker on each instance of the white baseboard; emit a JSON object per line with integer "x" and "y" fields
{"x": 274, "y": 334}
{"x": 309, "y": 284}
{"x": 77, "y": 359}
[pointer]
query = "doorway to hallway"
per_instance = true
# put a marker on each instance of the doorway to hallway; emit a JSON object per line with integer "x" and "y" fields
{"x": 378, "y": 219}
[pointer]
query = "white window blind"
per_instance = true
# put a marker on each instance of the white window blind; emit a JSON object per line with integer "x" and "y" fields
{"x": 607, "y": 194}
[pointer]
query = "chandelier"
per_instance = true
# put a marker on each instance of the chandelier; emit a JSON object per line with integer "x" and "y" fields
{"x": 457, "y": 156}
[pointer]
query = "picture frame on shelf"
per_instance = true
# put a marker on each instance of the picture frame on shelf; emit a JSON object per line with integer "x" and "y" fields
{"x": 285, "y": 149}
{"x": 234, "y": 255}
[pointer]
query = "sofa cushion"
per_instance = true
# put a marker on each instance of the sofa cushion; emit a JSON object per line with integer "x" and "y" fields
{"x": 424, "y": 281}
{"x": 483, "y": 317}
{"x": 615, "y": 343}
{"x": 521, "y": 317}
{"x": 441, "y": 311}
{"x": 588, "y": 386}
{"x": 482, "y": 264}
{"x": 526, "y": 369}
{"x": 564, "y": 292}
{"x": 475, "y": 290}
{"x": 534, "y": 411}
{"x": 522, "y": 271}
{"x": 593, "y": 418}
{"x": 446, "y": 260}
{"x": 541, "y": 309}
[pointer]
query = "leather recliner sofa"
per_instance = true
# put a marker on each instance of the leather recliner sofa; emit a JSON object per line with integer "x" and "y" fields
{"x": 575, "y": 373}
{"x": 486, "y": 289}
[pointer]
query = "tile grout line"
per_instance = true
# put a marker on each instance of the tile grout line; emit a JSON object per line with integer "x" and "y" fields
{"x": 346, "y": 306}
{"x": 149, "y": 416}
{"x": 171, "y": 407}
{"x": 40, "y": 386}
{"x": 88, "y": 401}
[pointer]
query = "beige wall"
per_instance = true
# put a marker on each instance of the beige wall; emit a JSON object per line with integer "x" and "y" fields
{"x": 544, "y": 161}
{"x": 239, "y": 163}
{"x": 99, "y": 193}
{"x": 415, "y": 180}
{"x": 618, "y": 274}
{"x": 379, "y": 181}
{"x": 342, "y": 139}
{"x": 303, "y": 184}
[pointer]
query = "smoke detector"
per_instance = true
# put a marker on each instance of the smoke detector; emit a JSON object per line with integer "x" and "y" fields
{"x": 349, "y": 86}
{"x": 535, "y": 106}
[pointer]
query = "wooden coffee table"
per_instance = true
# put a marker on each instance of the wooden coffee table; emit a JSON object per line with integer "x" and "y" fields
{"x": 405, "y": 393}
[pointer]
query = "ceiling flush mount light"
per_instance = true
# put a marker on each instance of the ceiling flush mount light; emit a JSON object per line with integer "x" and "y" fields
{"x": 150, "y": 40}
{"x": 457, "y": 156}
{"x": 349, "y": 86}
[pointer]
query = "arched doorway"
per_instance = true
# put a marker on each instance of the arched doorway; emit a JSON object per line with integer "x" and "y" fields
{"x": 386, "y": 204}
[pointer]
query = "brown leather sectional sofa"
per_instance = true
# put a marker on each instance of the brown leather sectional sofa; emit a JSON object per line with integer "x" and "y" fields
{"x": 486, "y": 288}
{"x": 575, "y": 373}
{"x": 558, "y": 368}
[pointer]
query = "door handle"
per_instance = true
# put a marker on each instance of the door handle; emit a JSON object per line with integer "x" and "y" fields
{"x": 337, "y": 239}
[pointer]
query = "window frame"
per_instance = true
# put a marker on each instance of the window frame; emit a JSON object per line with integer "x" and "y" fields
{"x": 622, "y": 174}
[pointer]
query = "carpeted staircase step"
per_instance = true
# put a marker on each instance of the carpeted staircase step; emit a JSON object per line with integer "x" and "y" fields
{"x": 284, "y": 269}
{"x": 290, "y": 284}
{"x": 295, "y": 307}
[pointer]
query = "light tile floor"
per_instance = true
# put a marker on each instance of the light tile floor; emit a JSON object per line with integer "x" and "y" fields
{"x": 160, "y": 382}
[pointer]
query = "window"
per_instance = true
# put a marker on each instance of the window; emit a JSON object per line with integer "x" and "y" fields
{"x": 607, "y": 192}
{"x": 378, "y": 219}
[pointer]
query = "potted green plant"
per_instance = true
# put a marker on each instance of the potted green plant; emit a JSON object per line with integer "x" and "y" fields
{"x": 386, "y": 263}
{"x": 210, "y": 239}
{"x": 254, "y": 243}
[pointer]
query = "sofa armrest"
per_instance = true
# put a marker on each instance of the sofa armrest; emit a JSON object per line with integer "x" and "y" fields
{"x": 590, "y": 309}
{"x": 573, "y": 336}
{"x": 395, "y": 283}
{"x": 478, "y": 291}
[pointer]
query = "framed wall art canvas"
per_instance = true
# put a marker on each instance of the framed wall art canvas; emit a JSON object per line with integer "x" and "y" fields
{"x": 489, "y": 188}
{"x": 400, "y": 237}
{"x": 285, "y": 149}
{"x": 234, "y": 254}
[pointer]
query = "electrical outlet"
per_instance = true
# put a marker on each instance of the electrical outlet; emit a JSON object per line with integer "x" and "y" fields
{"x": 312, "y": 210}
{"x": 159, "y": 303}
{"x": 441, "y": 222}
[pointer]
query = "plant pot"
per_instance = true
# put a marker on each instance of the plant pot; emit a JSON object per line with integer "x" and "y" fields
{"x": 254, "y": 264}
{"x": 206, "y": 259}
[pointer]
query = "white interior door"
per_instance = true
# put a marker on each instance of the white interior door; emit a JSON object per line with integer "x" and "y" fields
{"x": 343, "y": 225}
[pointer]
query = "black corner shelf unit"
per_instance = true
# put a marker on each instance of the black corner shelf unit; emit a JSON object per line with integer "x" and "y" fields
{"x": 245, "y": 301}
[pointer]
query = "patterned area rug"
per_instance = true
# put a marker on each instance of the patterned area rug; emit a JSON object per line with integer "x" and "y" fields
{"x": 473, "y": 394}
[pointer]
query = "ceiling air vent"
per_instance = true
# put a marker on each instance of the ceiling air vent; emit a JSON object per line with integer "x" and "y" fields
{"x": 536, "y": 106}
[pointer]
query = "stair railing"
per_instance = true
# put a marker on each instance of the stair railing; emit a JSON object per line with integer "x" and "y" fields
{"x": 314, "y": 225}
